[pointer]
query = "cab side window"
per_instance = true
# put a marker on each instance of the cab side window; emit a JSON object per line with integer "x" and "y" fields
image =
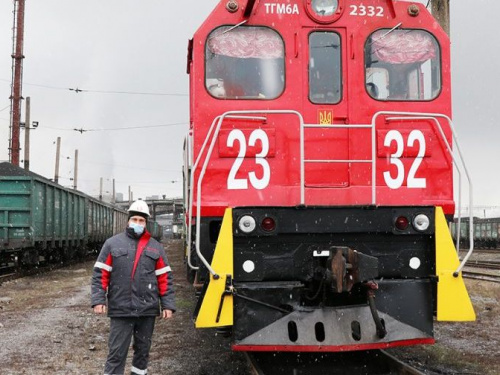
{"x": 244, "y": 62}
{"x": 402, "y": 65}
{"x": 325, "y": 74}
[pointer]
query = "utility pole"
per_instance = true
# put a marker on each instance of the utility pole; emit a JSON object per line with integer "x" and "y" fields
{"x": 75, "y": 177}
{"x": 58, "y": 151}
{"x": 100, "y": 191}
{"x": 27, "y": 126}
{"x": 441, "y": 11}
{"x": 114, "y": 192}
{"x": 17, "y": 76}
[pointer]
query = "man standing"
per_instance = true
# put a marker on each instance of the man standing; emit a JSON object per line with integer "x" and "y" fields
{"x": 132, "y": 277}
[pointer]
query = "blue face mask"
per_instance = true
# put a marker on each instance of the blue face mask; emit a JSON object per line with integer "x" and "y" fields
{"x": 138, "y": 229}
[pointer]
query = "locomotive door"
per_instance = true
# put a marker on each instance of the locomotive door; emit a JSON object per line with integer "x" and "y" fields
{"x": 325, "y": 104}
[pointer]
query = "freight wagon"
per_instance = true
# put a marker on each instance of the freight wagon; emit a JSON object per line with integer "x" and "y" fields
{"x": 154, "y": 228}
{"x": 486, "y": 232}
{"x": 41, "y": 220}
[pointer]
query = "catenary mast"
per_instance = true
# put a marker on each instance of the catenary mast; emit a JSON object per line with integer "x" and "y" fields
{"x": 441, "y": 10}
{"x": 17, "y": 76}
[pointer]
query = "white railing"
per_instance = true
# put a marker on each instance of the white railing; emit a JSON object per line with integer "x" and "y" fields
{"x": 215, "y": 127}
{"x": 434, "y": 118}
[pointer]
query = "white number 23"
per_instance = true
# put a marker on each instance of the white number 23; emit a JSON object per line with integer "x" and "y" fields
{"x": 234, "y": 183}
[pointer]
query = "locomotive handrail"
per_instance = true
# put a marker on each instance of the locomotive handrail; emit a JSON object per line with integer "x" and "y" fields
{"x": 187, "y": 184}
{"x": 191, "y": 185}
{"x": 433, "y": 117}
{"x": 453, "y": 159}
{"x": 219, "y": 120}
{"x": 233, "y": 115}
{"x": 191, "y": 198}
{"x": 214, "y": 131}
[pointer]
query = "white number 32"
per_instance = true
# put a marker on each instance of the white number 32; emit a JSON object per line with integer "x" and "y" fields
{"x": 397, "y": 182}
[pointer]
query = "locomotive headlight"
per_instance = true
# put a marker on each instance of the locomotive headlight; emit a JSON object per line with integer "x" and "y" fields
{"x": 324, "y": 8}
{"x": 421, "y": 222}
{"x": 247, "y": 224}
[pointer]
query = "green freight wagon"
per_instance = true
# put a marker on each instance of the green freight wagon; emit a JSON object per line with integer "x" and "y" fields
{"x": 38, "y": 217}
{"x": 155, "y": 229}
{"x": 99, "y": 223}
{"x": 41, "y": 220}
{"x": 103, "y": 221}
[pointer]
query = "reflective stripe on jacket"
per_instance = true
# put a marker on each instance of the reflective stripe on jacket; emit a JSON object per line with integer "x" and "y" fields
{"x": 130, "y": 288}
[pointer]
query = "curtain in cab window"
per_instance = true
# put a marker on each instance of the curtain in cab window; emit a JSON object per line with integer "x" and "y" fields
{"x": 325, "y": 74}
{"x": 402, "y": 65}
{"x": 245, "y": 63}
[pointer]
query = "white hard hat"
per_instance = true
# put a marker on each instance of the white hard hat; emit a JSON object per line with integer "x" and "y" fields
{"x": 140, "y": 207}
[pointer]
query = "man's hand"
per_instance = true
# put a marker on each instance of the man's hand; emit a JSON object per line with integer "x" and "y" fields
{"x": 166, "y": 314}
{"x": 100, "y": 309}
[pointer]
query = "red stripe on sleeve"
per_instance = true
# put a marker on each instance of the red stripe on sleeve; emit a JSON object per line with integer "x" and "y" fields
{"x": 163, "y": 278}
{"x": 106, "y": 274}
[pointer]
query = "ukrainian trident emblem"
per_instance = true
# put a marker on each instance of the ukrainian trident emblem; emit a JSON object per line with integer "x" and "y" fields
{"x": 325, "y": 117}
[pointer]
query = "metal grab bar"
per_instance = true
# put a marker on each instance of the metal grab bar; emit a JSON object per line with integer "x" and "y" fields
{"x": 433, "y": 117}
{"x": 191, "y": 184}
{"x": 213, "y": 136}
{"x": 248, "y": 115}
{"x": 450, "y": 151}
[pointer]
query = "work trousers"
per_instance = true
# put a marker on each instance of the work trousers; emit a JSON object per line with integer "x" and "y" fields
{"x": 121, "y": 331}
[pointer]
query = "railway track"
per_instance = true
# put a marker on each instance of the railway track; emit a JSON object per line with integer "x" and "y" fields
{"x": 489, "y": 251}
{"x": 8, "y": 273}
{"x": 376, "y": 362}
{"x": 474, "y": 267}
{"x": 481, "y": 276}
{"x": 493, "y": 265}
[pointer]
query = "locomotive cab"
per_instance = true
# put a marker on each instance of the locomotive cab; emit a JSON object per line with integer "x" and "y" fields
{"x": 322, "y": 175}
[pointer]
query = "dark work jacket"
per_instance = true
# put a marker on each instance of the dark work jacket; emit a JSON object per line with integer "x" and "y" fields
{"x": 130, "y": 288}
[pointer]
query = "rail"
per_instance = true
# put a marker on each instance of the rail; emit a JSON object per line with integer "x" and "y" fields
{"x": 214, "y": 130}
{"x": 374, "y": 361}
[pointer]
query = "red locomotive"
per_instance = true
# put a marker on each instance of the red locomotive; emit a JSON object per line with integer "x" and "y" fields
{"x": 319, "y": 175}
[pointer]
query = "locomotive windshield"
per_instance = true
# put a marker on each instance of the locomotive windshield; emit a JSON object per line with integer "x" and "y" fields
{"x": 403, "y": 65}
{"x": 244, "y": 63}
{"x": 324, "y": 68}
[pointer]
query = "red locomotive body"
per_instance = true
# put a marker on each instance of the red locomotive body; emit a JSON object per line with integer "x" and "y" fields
{"x": 307, "y": 117}
{"x": 338, "y": 53}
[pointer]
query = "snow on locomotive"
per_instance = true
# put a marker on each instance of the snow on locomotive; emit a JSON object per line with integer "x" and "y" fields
{"x": 319, "y": 175}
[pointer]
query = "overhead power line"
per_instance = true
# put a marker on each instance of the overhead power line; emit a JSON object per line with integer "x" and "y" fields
{"x": 78, "y": 90}
{"x": 131, "y": 127}
{"x": 83, "y": 130}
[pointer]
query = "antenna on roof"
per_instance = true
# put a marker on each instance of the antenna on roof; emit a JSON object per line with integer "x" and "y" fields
{"x": 249, "y": 8}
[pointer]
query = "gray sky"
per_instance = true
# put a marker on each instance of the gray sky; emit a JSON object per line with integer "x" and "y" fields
{"x": 140, "y": 46}
{"x": 112, "y": 45}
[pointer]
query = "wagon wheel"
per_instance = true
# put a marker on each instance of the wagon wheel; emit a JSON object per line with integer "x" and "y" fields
{"x": 55, "y": 256}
